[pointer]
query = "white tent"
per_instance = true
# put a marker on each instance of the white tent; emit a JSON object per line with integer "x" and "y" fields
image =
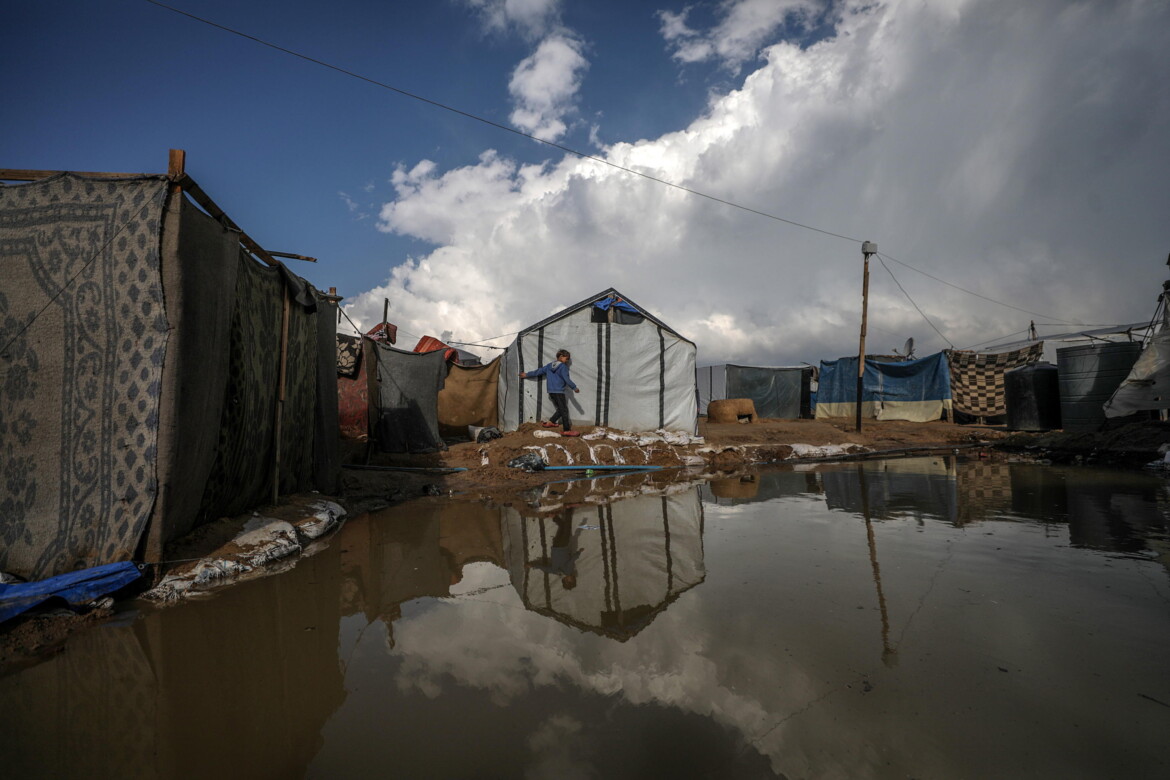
{"x": 635, "y": 373}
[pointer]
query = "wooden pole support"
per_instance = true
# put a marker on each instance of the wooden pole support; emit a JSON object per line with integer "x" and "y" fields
{"x": 280, "y": 390}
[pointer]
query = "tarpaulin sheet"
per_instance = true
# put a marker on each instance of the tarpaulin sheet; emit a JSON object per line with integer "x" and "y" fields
{"x": 84, "y": 334}
{"x": 977, "y": 383}
{"x": 915, "y": 390}
{"x": 469, "y": 397}
{"x": 781, "y": 392}
{"x": 408, "y": 400}
{"x": 74, "y": 588}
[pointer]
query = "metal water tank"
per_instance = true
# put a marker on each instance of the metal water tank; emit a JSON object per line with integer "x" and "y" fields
{"x": 1032, "y": 396}
{"x": 1088, "y": 377}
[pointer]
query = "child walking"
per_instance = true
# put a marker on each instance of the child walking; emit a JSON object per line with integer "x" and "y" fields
{"x": 558, "y": 379}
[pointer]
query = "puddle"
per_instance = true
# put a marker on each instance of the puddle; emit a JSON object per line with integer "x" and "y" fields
{"x": 928, "y": 617}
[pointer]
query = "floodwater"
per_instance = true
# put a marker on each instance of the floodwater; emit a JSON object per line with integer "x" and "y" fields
{"x": 928, "y": 617}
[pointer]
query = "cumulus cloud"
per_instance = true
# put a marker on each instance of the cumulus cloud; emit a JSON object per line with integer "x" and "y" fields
{"x": 1010, "y": 149}
{"x": 544, "y": 84}
{"x": 743, "y": 28}
{"x": 531, "y": 18}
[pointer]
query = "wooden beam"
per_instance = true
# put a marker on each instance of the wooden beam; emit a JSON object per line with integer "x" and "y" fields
{"x": 177, "y": 164}
{"x": 203, "y": 199}
{"x": 291, "y": 256}
{"x": 25, "y": 174}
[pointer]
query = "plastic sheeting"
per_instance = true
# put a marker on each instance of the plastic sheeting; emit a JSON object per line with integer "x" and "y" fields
{"x": 780, "y": 392}
{"x": 634, "y": 375}
{"x": 914, "y": 390}
{"x": 1147, "y": 387}
{"x": 408, "y": 400}
{"x": 74, "y": 588}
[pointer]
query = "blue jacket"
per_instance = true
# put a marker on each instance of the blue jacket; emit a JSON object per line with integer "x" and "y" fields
{"x": 558, "y": 376}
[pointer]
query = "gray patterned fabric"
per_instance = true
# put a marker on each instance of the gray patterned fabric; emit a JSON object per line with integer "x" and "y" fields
{"x": 977, "y": 378}
{"x": 241, "y": 477}
{"x": 82, "y": 339}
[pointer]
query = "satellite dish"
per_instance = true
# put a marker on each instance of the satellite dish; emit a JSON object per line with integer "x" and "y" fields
{"x": 909, "y": 348}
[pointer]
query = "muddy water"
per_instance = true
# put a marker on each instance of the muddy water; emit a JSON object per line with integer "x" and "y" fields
{"x": 910, "y": 618}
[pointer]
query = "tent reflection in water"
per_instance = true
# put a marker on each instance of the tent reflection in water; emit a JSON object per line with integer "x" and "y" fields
{"x": 632, "y": 558}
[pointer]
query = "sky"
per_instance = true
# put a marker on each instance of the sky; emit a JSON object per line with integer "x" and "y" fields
{"x": 1008, "y": 159}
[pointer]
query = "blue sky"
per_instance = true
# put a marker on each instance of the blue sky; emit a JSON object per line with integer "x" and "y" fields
{"x": 1014, "y": 151}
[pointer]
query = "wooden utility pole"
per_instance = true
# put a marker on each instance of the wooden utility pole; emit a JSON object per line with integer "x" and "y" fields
{"x": 867, "y": 248}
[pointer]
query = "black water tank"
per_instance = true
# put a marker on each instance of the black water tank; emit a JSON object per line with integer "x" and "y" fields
{"x": 1088, "y": 377}
{"x": 1032, "y": 395}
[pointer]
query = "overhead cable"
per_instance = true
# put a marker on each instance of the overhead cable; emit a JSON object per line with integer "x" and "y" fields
{"x": 497, "y": 125}
{"x": 567, "y": 149}
{"x": 969, "y": 292}
{"x": 912, "y": 303}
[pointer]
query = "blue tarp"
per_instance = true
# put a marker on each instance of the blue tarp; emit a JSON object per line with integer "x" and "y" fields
{"x": 74, "y": 588}
{"x": 617, "y": 303}
{"x": 908, "y": 390}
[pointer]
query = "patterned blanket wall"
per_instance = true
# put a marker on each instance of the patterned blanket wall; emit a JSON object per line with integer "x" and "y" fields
{"x": 83, "y": 333}
{"x": 977, "y": 383}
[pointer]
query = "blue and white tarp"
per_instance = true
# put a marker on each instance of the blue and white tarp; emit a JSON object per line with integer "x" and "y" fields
{"x": 914, "y": 390}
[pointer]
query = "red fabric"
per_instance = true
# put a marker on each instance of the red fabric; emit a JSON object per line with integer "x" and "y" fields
{"x": 430, "y": 344}
{"x": 384, "y": 331}
{"x": 353, "y": 405}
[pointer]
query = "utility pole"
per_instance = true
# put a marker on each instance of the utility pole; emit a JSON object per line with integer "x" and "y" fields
{"x": 867, "y": 248}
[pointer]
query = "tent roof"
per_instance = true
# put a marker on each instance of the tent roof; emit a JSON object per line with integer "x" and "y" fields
{"x": 593, "y": 299}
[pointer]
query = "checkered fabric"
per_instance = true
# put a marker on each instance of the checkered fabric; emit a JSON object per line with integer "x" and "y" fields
{"x": 977, "y": 378}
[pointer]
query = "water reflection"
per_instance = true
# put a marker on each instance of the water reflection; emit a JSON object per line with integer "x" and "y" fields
{"x": 240, "y": 685}
{"x": 1101, "y": 509}
{"x": 609, "y": 568}
{"x": 927, "y": 618}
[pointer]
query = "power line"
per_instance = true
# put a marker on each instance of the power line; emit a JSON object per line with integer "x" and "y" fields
{"x": 497, "y": 125}
{"x": 572, "y": 151}
{"x": 915, "y": 305}
{"x": 970, "y": 292}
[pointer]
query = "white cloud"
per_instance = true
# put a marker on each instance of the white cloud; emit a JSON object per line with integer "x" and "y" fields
{"x": 1013, "y": 149}
{"x": 745, "y": 25}
{"x": 531, "y": 18}
{"x": 544, "y": 84}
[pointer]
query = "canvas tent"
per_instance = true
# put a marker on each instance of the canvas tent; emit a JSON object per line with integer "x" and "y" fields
{"x": 915, "y": 390}
{"x": 634, "y": 371}
{"x": 781, "y": 392}
{"x": 142, "y": 350}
